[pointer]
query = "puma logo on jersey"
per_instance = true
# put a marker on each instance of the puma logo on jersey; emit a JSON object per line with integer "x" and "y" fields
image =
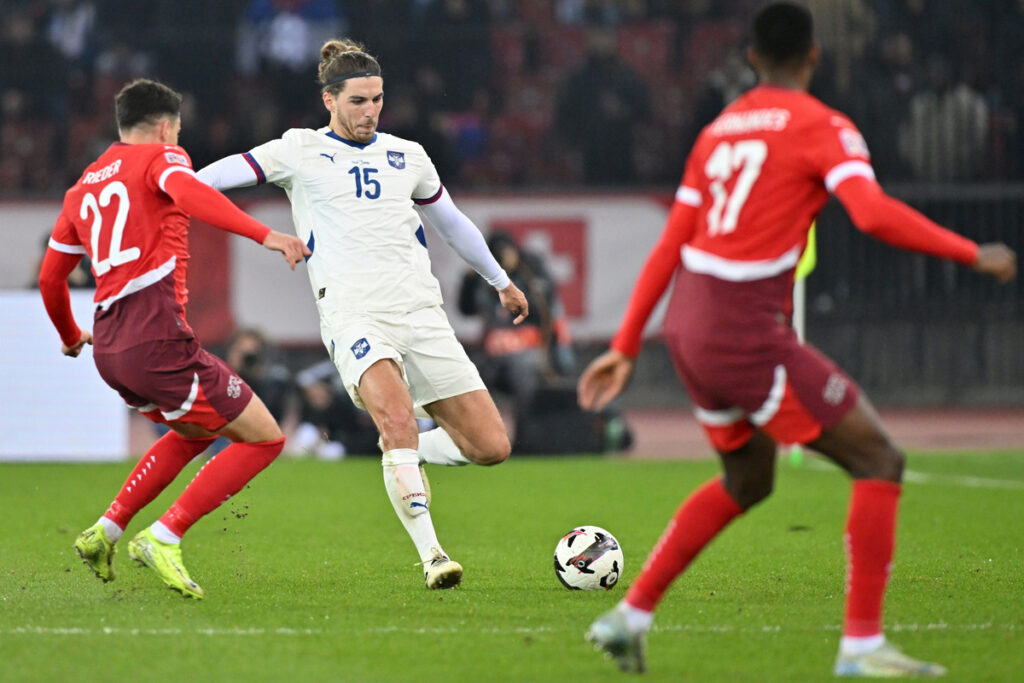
{"x": 329, "y": 156}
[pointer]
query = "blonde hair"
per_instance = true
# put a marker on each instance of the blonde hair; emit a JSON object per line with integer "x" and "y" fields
{"x": 341, "y": 59}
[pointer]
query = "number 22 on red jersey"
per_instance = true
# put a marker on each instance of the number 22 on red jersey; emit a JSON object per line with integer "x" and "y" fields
{"x": 112, "y": 233}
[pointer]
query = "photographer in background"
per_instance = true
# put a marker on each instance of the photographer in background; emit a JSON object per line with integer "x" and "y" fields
{"x": 519, "y": 359}
{"x": 534, "y": 362}
{"x": 249, "y": 354}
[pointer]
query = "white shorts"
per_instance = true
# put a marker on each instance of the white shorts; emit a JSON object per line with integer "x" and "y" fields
{"x": 422, "y": 343}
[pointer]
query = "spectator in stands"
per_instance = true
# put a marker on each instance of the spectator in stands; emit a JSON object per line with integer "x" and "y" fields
{"x": 71, "y": 29}
{"x": 519, "y": 359}
{"x": 600, "y": 106}
{"x": 944, "y": 137}
{"x": 884, "y": 83}
{"x": 455, "y": 29}
{"x": 279, "y": 38}
{"x": 330, "y": 426}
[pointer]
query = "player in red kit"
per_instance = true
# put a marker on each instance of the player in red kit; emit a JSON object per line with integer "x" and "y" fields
{"x": 129, "y": 212}
{"x": 754, "y": 182}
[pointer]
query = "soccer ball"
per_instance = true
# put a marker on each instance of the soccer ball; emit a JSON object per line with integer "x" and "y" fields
{"x": 588, "y": 558}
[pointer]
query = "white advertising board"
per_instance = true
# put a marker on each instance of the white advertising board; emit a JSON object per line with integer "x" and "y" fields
{"x": 53, "y": 407}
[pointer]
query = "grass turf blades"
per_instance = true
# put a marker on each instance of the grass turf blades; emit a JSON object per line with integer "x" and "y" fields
{"x": 310, "y": 577}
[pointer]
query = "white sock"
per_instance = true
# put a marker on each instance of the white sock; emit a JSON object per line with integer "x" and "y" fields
{"x": 851, "y": 646}
{"x": 114, "y": 532}
{"x": 437, "y": 448}
{"x": 163, "y": 534}
{"x": 637, "y": 620}
{"x": 409, "y": 499}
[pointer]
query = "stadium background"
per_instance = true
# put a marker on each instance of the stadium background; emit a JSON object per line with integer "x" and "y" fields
{"x": 568, "y": 122}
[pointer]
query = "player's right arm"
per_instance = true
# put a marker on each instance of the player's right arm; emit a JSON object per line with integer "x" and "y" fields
{"x": 62, "y": 255}
{"x": 609, "y": 374}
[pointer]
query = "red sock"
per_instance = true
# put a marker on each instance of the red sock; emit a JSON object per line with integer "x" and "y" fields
{"x": 154, "y": 471}
{"x": 699, "y": 519}
{"x": 870, "y": 530}
{"x": 218, "y": 480}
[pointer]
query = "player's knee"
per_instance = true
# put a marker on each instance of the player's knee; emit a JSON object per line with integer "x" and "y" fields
{"x": 494, "y": 450}
{"x": 886, "y": 462}
{"x": 748, "y": 492}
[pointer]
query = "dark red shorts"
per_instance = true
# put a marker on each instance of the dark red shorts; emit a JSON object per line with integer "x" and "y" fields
{"x": 176, "y": 380}
{"x": 745, "y": 368}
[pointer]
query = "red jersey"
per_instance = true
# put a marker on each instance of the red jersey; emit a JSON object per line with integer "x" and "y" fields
{"x": 137, "y": 239}
{"x": 761, "y": 172}
{"x": 757, "y": 177}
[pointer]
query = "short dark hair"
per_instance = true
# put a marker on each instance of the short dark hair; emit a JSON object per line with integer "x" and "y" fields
{"x": 144, "y": 101}
{"x": 783, "y": 32}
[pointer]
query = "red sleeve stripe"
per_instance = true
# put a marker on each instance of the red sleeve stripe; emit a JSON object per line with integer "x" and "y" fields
{"x": 430, "y": 200}
{"x": 261, "y": 177}
{"x": 847, "y": 170}
{"x": 66, "y": 248}
{"x": 689, "y": 196}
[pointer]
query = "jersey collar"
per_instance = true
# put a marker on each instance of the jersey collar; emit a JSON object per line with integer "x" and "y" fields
{"x": 351, "y": 143}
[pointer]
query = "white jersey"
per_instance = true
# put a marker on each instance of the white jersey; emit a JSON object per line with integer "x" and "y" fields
{"x": 352, "y": 205}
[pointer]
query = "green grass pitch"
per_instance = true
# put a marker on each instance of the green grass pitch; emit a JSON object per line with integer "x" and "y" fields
{"x": 310, "y": 577}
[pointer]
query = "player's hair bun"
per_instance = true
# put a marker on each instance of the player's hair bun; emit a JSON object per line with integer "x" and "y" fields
{"x": 343, "y": 56}
{"x": 335, "y": 47}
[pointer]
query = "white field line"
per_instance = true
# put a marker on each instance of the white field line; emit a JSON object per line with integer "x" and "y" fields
{"x": 665, "y": 628}
{"x": 962, "y": 480}
{"x": 916, "y": 477}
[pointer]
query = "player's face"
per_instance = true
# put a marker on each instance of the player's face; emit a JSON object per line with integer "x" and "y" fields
{"x": 355, "y": 110}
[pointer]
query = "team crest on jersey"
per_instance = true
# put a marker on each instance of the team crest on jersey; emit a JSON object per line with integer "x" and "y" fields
{"x": 397, "y": 159}
{"x": 173, "y": 158}
{"x": 361, "y": 348}
{"x": 853, "y": 143}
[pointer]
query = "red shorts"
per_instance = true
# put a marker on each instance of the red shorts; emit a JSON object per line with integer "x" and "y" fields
{"x": 745, "y": 369}
{"x": 176, "y": 380}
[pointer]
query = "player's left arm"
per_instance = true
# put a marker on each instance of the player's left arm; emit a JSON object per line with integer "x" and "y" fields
{"x": 839, "y": 152}
{"x": 462, "y": 235}
{"x": 60, "y": 260}
{"x": 891, "y": 221}
{"x": 230, "y": 172}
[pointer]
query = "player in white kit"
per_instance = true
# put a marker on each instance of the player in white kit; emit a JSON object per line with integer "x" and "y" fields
{"x": 357, "y": 198}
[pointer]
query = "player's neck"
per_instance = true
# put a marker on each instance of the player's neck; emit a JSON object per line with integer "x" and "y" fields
{"x": 785, "y": 78}
{"x": 141, "y": 140}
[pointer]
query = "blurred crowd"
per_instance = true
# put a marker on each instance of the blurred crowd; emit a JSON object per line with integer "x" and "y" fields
{"x": 545, "y": 94}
